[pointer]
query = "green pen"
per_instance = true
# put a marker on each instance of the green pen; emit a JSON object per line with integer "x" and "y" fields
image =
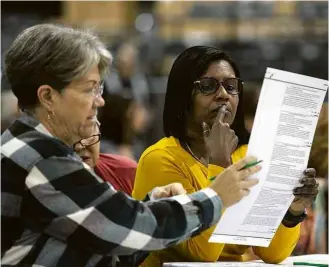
{"x": 251, "y": 164}
{"x": 310, "y": 264}
{"x": 245, "y": 167}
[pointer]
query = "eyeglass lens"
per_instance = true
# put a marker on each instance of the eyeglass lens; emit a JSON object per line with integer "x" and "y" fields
{"x": 209, "y": 85}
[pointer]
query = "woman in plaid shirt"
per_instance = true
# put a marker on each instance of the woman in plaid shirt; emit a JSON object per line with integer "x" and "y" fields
{"x": 55, "y": 210}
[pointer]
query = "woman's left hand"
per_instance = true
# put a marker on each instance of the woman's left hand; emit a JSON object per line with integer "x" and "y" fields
{"x": 305, "y": 194}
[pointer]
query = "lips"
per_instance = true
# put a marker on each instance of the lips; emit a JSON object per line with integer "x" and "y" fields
{"x": 84, "y": 158}
{"x": 215, "y": 110}
{"x": 94, "y": 118}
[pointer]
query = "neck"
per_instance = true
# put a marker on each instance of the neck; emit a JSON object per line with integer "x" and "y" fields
{"x": 198, "y": 148}
{"x": 197, "y": 145}
{"x": 52, "y": 125}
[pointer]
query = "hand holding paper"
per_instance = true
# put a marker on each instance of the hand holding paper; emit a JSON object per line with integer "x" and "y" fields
{"x": 232, "y": 184}
{"x": 305, "y": 194}
{"x": 282, "y": 135}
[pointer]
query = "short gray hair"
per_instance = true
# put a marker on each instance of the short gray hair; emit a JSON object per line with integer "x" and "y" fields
{"x": 54, "y": 55}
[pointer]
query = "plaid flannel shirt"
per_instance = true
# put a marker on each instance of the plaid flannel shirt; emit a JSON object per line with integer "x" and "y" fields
{"x": 55, "y": 211}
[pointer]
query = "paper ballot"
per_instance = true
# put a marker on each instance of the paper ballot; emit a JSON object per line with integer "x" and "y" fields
{"x": 220, "y": 264}
{"x": 282, "y": 135}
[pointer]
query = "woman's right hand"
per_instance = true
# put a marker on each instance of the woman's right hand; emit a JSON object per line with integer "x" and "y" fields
{"x": 233, "y": 183}
{"x": 220, "y": 140}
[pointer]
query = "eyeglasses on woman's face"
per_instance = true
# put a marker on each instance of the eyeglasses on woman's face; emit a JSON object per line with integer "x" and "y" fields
{"x": 88, "y": 141}
{"x": 98, "y": 90}
{"x": 210, "y": 85}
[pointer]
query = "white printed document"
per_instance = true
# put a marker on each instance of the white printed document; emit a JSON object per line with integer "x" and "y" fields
{"x": 282, "y": 135}
{"x": 221, "y": 264}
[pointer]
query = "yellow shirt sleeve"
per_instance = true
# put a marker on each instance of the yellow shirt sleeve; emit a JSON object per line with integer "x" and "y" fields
{"x": 282, "y": 245}
{"x": 160, "y": 168}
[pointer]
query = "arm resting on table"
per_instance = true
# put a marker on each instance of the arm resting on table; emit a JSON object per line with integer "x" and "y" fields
{"x": 282, "y": 245}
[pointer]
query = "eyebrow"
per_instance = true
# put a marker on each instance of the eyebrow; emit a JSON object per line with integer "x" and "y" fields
{"x": 92, "y": 81}
{"x": 225, "y": 77}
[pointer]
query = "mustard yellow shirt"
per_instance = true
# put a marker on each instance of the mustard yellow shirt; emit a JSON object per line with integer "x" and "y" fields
{"x": 167, "y": 162}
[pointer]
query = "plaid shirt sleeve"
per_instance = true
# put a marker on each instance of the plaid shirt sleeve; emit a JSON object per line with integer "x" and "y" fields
{"x": 67, "y": 201}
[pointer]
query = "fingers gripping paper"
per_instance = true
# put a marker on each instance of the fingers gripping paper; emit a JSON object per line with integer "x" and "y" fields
{"x": 282, "y": 135}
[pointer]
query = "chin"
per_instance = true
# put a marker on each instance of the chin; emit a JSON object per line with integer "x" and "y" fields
{"x": 90, "y": 163}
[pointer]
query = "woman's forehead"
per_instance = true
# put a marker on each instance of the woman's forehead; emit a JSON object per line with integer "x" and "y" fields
{"x": 90, "y": 79}
{"x": 220, "y": 69}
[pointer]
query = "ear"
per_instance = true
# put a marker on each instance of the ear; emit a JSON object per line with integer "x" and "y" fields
{"x": 47, "y": 96}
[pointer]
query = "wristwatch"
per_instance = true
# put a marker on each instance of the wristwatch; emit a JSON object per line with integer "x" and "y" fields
{"x": 295, "y": 219}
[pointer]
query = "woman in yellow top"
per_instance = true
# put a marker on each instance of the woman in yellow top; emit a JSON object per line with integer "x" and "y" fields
{"x": 204, "y": 90}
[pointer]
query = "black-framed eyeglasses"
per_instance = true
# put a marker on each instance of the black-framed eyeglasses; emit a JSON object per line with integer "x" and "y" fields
{"x": 209, "y": 85}
{"x": 88, "y": 141}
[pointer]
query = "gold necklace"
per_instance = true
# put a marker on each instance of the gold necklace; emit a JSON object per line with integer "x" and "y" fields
{"x": 192, "y": 154}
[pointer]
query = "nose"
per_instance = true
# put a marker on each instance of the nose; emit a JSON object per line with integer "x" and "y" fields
{"x": 78, "y": 148}
{"x": 99, "y": 102}
{"x": 222, "y": 93}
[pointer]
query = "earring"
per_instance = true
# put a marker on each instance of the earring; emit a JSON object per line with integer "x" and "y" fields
{"x": 52, "y": 113}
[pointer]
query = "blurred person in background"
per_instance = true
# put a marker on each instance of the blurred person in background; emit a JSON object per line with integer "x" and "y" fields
{"x": 121, "y": 120}
{"x": 55, "y": 211}
{"x": 205, "y": 132}
{"x": 314, "y": 230}
{"x": 118, "y": 170}
{"x": 129, "y": 82}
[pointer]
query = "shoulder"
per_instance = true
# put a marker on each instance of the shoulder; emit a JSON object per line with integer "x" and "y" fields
{"x": 242, "y": 150}
{"x": 240, "y": 153}
{"x": 167, "y": 149}
{"x": 26, "y": 145}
